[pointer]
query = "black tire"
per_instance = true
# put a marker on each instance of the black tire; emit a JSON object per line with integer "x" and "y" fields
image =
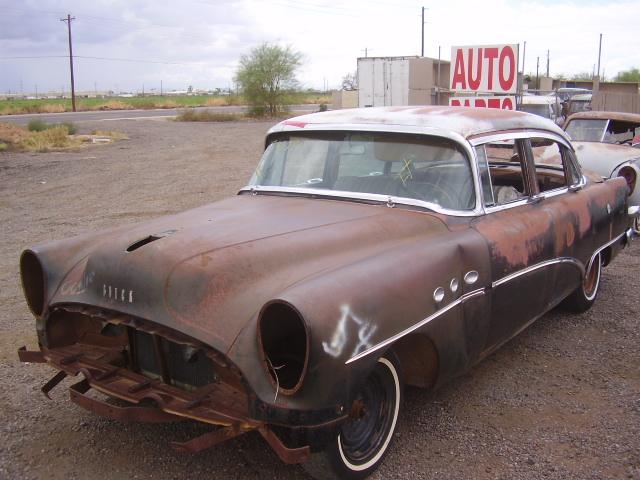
{"x": 360, "y": 445}
{"x": 583, "y": 297}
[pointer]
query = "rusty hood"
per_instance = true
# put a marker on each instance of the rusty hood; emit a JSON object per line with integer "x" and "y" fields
{"x": 208, "y": 271}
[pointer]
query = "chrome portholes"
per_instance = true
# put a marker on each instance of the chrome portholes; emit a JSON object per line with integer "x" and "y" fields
{"x": 471, "y": 277}
{"x": 454, "y": 285}
{"x": 438, "y": 294}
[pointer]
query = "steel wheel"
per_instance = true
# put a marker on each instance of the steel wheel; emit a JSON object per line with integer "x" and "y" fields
{"x": 361, "y": 444}
{"x": 584, "y": 296}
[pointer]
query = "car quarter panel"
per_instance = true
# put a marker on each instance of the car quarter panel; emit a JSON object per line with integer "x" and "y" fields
{"x": 358, "y": 310}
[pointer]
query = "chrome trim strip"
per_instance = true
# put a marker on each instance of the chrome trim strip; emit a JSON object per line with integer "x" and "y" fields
{"x": 608, "y": 244}
{"x": 363, "y": 196}
{"x": 422, "y": 323}
{"x": 538, "y": 266}
{"x": 496, "y": 137}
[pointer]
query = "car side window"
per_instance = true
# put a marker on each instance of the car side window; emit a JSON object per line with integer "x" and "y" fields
{"x": 554, "y": 168}
{"x": 502, "y": 172}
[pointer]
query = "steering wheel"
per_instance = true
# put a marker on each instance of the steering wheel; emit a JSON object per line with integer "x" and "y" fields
{"x": 428, "y": 196}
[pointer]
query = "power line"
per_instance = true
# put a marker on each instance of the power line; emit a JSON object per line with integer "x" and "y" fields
{"x": 133, "y": 60}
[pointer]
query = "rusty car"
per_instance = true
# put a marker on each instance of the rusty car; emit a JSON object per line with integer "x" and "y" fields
{"x": 603, "y": 142}
{"x": 372, "y": 248}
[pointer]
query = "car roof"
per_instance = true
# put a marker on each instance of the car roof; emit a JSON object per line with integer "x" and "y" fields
{"x": 538, "y": 100}
{"x": 622, "y": 116}
{"x": 464, "y": 121}
{"x": 582, "y": 97}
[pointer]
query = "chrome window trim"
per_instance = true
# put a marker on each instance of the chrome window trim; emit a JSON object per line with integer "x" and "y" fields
{"x": 422, "y": 323}
{"x": 526, "y": 134}
{"x": 507, "y": 206}
{"x": 389, "y": 200}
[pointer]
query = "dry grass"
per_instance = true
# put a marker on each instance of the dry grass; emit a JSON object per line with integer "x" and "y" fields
{"x": 208, "y": 116}
{"x": 113, "y": 135}
{"x": 56, "y": 138}
{"x": 113, "y": 105}
{"x": 12, "y": 134}
{"x": 216, "y": 102}
{"x": 53, "y": 138}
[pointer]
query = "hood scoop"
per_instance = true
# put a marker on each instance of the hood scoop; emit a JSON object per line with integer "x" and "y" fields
{"x": 149, "y": 239}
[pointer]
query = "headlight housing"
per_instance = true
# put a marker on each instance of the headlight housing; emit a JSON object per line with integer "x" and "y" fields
{"x": 33, "y": 282}
{"x": 284, "y": 342}
{"x": 629, "y": 174}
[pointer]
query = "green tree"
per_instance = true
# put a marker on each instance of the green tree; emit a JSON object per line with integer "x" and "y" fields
{"x": 267, "y": 76}
{"x": 582, "y": 76}
{"x": 631, "y": 75}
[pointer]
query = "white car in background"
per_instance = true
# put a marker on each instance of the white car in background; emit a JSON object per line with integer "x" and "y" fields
{"x": 603, "y": 143}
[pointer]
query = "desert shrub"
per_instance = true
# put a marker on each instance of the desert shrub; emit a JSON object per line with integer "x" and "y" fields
{"x": 207, "y": 116}
{"x": 71, "y": 128}
{"x": 37, "y": 125}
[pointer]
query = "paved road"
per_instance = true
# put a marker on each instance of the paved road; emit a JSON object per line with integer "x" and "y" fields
{"x": 77, "y": 117}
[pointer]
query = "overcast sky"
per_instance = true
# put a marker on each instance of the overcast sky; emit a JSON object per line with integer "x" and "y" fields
{"x": 199, "y": 42}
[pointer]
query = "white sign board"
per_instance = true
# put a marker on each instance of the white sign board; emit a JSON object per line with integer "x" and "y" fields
{"x": 504, "y": 102}
{"x": 487, "y": 69}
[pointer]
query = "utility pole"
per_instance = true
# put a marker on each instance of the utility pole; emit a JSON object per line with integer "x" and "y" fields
{"x": 547, "y": 63}
{"x": 537, "y": 74}
{"x": 73, "y": 88}
{"x": 599, "y": 54}
{"x": 422, "y": 54}
{"x": 160, "y": 87}
{"x": 366, "y": 51}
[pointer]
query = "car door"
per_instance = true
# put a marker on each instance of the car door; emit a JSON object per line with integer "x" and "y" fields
{"x": 519, "y": 233}
{"x": 581, "y": 218}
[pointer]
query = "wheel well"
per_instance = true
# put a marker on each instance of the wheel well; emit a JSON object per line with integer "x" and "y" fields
{"x": 418, "y": 359}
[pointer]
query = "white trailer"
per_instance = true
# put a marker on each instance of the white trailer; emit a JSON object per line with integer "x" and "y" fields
{"x": 398, "y": 81}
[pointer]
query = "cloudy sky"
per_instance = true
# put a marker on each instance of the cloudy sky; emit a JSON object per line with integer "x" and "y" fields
{"x": 124, "y": 44}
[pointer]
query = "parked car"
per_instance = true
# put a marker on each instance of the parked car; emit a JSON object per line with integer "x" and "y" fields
{"x": 604, "y": 141}
{"x": 577, "y": 103}
{"x": 371, "y": 249}
{"x": 545, "y": 106}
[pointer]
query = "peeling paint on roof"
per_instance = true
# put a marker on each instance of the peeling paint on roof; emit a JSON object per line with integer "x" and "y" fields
{"x": 464, "y": 121}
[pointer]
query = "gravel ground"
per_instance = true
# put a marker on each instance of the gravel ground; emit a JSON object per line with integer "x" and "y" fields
{"x": 561, "y": 401}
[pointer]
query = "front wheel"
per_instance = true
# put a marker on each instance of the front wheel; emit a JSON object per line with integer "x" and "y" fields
{"x": 583, "y": 297}
{"x": 362, "y": 442}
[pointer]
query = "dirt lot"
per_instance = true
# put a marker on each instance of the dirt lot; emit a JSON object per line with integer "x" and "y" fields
{"x": 560, "y": 401}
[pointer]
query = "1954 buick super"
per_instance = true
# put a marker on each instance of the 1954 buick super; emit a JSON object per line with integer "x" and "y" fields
{"x": 371, "y": 249}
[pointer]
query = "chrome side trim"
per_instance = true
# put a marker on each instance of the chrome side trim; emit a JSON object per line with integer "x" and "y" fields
{"x": 384, "y": 199}
{"x": 546, "y": 263}
{"x": 608, "y": 244}
{"x": 420, "y": 324}
{"x": 538, "y": 266}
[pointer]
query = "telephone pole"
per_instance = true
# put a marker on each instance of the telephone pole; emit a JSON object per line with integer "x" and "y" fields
{"x": 73, "y": 88}
{"x": 422, "y": 51}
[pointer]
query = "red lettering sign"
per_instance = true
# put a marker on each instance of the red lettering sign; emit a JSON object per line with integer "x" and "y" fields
{"x": 503, "y": 102}
{"x": 487, "y": 69}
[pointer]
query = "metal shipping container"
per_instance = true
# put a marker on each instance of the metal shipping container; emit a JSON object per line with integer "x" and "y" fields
{"x": 383, "y": 81}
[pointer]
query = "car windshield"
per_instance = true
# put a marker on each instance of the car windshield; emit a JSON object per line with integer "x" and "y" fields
{"x": 540, "y": 110}
{"x": 603, "y": 130}
{"x": 586, "y": 130}
{"x": 420, "y": 167}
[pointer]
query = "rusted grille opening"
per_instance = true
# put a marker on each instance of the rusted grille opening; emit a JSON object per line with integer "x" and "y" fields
{"x": 180, "y": 365}
{"x": 285, "y": 344}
